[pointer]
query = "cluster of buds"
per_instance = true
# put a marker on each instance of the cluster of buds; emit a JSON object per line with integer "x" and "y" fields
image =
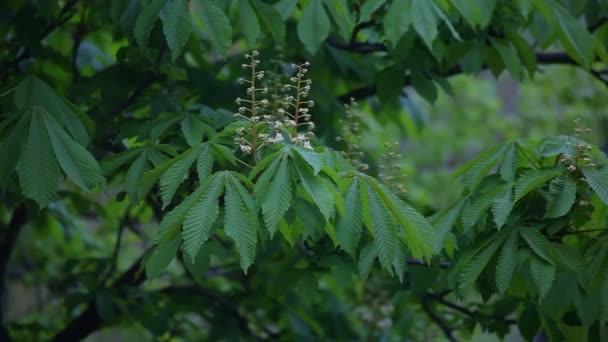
{"x": 581, "y": 156}
{"x": 350, "y": 137}
{"x": 390, "y": 170}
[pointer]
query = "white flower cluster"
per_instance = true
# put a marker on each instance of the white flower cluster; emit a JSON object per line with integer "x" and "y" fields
{"x": 350, "y": 137}
{"x": 286, "y": 117}
{"x": 581, "y": 155}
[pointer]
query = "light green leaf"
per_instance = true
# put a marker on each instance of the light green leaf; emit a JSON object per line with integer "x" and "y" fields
{"x": 533, "y": 179}
{"x": 314, "y": 159}
{"x": 507, "y": 263}
{"x": 193, "y": 129}
{"x": 146, "y": 19}
{"x": 396, "y": 22}
{"x": 543, "y": 274}
{"x": 537, "y": 242}
{"x": 348, "y": 229}
{"x": 198, "y": 222}
{"x": 250, "y": 22}
{"x": 216, "y": 24}
{"x": 161, "y": 256}
{"x": 366, "y": 260}
{"x": 424, "y": 20}
{"x": 239, "y": 222}
{"x": 271, "y": 19}
{"x": 313, "y": 26}
{"x": 598, "y": 181}
{"x": 561, "y": 197}
{"x": 276, "y": 199}
{"x": 77, "y": 163}
{"x": 400, "y": 262}
{"x": 37, "y": 168}
{"x": 177, "y": 26}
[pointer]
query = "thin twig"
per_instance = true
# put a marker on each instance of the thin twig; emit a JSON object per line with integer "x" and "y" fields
{"x": 475, "y": 314}
{"x": 447, "y": 330}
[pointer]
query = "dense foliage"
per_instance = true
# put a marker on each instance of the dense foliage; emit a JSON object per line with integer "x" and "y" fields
{"x": 205, "y": 170}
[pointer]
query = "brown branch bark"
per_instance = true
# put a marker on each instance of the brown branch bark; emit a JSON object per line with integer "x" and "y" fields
{"x": 471, "y": 313}
{"x": 445, "y": 328}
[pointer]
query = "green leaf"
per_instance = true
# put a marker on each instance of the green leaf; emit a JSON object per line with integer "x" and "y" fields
{"x": 341, "y": 16}
{"x": 134, "y": 174}
{"x": 524, "y": 50}
{"x": 313, "y": 26}
{"x": 110, "y": 164}
{"x": 216, "y": 24}
{"x": 537, "y": 242}
{"x": 146, "y": 19}
{"x": 509, "y": 57}
{"x": 476, "y": 12}
{"x": 176, "y": 173}
{"x": 502, "y": 206}
{"x": 396, "y": 22}
{"x": 482, "y": 165}
{"x": 472, "y": 212}
{"x": 12, "y": 147}
{"x": 366, "y": 260}
{"x": 577, "y": 40}
{"x": 276, "y": 199}
{"x": 161, "y": 256}
{"x": 204, "y": 163}
{"x": 251, "y": 24}
{"x": 368, "y": 9}
{"x": 424, "y": 20}
{"x": 322, "y": 196}
{"x": 240, "y": 222}
{"x": 198, "y": 267}
{"x": 37, "y": 168}
{"x": 77, "y": 163}
{"x": 198, "y": 222}
{"x": 533, "y": 179}
{"x": 507, "y": 262}
{"x": 510, "y": 163}
{"x": 285, "y": 7}
{"x": 561, "y": 197}
{"x": 383, "y": 226}
{"x": 444, "y": 222}
{"x": 400, "y": 262}
{"x": 177, "y": 26}
{"x": 172, "y": 221}
{"x": 476, "y": 265}
{"x": 424, "y": 86}
{"x": 314, "y": 159}
{"x": 271, "y": 19}
{"x": 598, "y": 181}
{"x": 348, "y": 229}
{"x": 604, "y": 299}
{"x": 543, "y": 274}
{"x": 193, "y": 129}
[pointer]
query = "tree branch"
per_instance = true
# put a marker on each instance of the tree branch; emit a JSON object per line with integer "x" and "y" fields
{"x": 447, "y": 330}
{"x": 62, "y": 18}
{"x": 471, "y": 313}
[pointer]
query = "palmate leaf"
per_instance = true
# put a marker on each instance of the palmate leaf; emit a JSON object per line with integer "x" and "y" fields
{"x": 11, "y": 148}
{"x": 507, "y": 262}
{"x": 313, "y": 26}
{"x": 199, "y": 220}
{"x": 176, "y": 173}
{"x": 146, "y": 19}
{"x": 216, "y": 24}
{"x": 172, "y": 221}
{"x": 561, "y": 197}
{"x": 598, "y": 181}
{"x": 320, "y": 194}
{"x": 424, "y": 20}
{"x": 276, "y": 199}
{"x": 134, "y": 173}
{"x": 537, "y": 242}
{"x": 400, "y": 262}
{"x": 77, "y": 163}
{"x": 443, "y": 222}
{"x": 395, "y": 23}
{"x": 383, "y": 227}
{"x": 510, "y": 162}
{"x": 177, "y": 26}
{"x": 502, "y": 207}
{"x": 533, "y": 179}
{"x": 543, "y": 274}
{"x": 161, "y": 256}
{"x": 477, "y": 263}
{"x": 348, "y": 229}
{"x": 419, "y": 234}
{"x": 271, "y": 20}
{"x": 251, "y": 24}
{"x": 204, "y": 163}
{"x": 37, "y": 168}
{"x": 366, "y": 260}
{"x": 478, "y": 205}
{"x": 240, "y": 221}
{"x": 480, "y": 166}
